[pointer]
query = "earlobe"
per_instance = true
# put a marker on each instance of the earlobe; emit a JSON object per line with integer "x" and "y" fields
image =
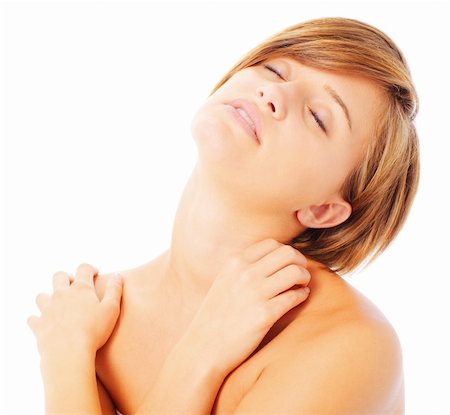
{"x": 326, "y": 215}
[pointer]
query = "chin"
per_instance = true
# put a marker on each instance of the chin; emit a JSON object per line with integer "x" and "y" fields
{"x": 213, "y": 137}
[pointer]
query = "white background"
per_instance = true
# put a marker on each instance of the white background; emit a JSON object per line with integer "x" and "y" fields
{"x": 96, "y": 104}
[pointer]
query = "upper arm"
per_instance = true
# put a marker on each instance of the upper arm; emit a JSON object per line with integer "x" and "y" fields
{"x": 356, "y": 370}
{"x": 106, "y": 402}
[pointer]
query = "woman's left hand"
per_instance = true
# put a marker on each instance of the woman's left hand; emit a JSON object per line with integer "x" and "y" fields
{"x": 73, "y": 316}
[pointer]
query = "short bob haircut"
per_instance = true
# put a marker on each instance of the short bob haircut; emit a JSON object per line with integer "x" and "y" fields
{"x": 383, "y": 185}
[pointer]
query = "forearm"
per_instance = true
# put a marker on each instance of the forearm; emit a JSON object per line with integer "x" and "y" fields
{"x": 188, "y": 383}
{"x": 70, "y": 384}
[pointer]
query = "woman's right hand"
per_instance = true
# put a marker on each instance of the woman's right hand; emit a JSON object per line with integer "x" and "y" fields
{"x": 253, "y": 291}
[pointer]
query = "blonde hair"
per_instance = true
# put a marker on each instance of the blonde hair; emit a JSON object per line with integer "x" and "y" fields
{"x": 382, "y": 186}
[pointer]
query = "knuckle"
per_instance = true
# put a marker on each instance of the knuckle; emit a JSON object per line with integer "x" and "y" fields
{"x": 291, "y": 296}
{"x": 32, "y": 322}
{"x": 247, "y": 275}
{"x": 40, "y": 299}
{"x": 307, "y": 276}
{"x": 297, "y": 256}
{"x": 57, "y": 278}
{"x": 273, "y": 243}
{"x": 289, "y": 252}
{"x": 293, "y": 269}
{"x": 301, "y": 274}
{"x": 59, "y": 274}
{"x": 57, "y": 295}
{"x": 80, "y": 284}
{"x": 300, "y": 256}
{"x": 85, "y": 267}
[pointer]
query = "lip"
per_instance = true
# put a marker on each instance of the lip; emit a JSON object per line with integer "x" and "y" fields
{"x": 252, "y": 112}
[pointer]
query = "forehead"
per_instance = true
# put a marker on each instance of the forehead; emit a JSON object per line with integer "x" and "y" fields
{"x": 350, "y": 82}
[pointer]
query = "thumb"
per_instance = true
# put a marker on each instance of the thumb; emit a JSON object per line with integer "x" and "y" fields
{"x": 113, "y": 293}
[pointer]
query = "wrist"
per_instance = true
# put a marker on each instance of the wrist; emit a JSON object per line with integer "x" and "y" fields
{"x": 70, "y": 383}
{"x": 203, "y": 359}
{"x": 187, "y": 383}
{"x": 69, "y": 358}
{"x": 60, "y": 346}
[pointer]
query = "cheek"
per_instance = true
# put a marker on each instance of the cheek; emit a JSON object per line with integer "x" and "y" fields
{"x": 336, "y": 167}
{"x": 309, "y": 175}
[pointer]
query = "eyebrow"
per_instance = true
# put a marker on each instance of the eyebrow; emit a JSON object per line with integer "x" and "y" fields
{"x": 341, "y": 103}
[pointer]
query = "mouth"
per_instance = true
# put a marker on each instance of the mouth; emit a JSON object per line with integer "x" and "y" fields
{"x": 248, "y": 112}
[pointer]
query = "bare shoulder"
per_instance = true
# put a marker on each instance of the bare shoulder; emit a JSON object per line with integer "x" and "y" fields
{"x": 364, "y": 351}
{"x": 356, "y": 340}
{"x": 130, "y": 278}
{"x": 357, "y": 365}
{"x": 340, "y": 355}
{"x": 354, "y": 368}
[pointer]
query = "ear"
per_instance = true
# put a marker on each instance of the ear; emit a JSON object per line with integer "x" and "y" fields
{"x": 326, "y": 215}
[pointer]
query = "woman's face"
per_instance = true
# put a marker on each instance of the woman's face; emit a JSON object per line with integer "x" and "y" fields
{"x": 311, "y": 125}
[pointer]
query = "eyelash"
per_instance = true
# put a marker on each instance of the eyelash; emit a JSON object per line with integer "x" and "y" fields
{"x": 272, "y": 69}
{"x": 319, "y": 122}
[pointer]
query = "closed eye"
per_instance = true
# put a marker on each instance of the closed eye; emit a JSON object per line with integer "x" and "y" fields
{"x": 318, "y": 120}
{"x": 275, "y": 71}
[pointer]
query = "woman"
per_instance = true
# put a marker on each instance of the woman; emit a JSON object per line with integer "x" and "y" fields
{"x": 308, "y": 165}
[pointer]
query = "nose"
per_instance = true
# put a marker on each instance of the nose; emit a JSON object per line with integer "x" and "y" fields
{"x": 270, "y": 98}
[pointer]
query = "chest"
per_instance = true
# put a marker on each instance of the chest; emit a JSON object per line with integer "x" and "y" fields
{"x": 129, "y": 363}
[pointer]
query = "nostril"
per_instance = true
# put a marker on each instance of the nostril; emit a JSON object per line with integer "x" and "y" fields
{"x": 272, "y": 106}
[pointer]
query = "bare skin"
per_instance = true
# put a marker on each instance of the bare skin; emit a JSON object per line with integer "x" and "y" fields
{"x": 334, "y": 313}
{"x": 335, "y": 353}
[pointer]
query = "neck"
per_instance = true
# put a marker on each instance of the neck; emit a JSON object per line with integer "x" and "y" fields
{"x": 209, "y": 229}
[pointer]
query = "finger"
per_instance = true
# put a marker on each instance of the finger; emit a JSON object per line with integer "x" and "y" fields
{"x": 113, "y": 294}
{"x": 32, "y": 322}
{"x": 61, "y": 280}
{"x": 85, "y": 273}
{"x": 285, "y": 279}
{"x": 282, "y": 303}
{"x": 277, "y": 260}
{"x": 42, "y": 301}
{"x": 260, "y": 249}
